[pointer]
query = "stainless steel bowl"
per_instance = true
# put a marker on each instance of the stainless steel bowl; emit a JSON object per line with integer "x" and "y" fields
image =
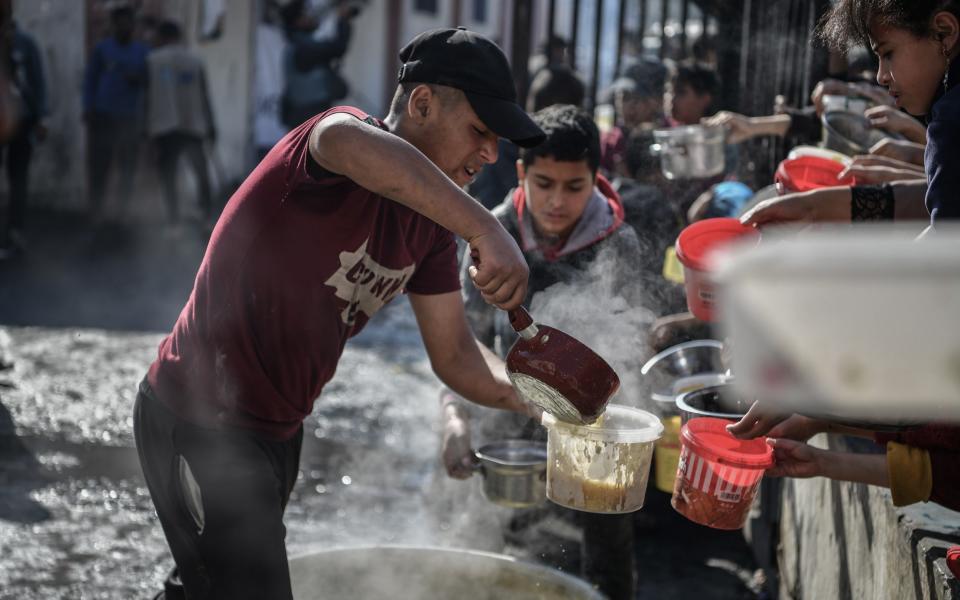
{"x": 850, "y": 133}
{"x": 718, "y": 401}
{"x": 514, "y": 472}
{"x": 698, "y": 357}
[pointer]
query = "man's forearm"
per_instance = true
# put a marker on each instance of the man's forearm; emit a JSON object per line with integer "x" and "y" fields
{"x": 390, "y": 166}
{"x": 478, "y": 375}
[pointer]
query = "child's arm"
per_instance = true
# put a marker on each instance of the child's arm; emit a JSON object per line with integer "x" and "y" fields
{"x": 796, "y": 459}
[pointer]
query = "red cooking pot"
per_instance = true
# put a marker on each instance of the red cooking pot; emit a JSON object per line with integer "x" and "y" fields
{"x": 558, "y": 373}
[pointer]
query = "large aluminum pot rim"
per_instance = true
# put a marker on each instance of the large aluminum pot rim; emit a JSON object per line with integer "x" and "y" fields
{"x": 529, "y": 568}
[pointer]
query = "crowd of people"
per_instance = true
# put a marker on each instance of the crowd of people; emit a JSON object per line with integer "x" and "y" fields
{"x": 344, "y": 211}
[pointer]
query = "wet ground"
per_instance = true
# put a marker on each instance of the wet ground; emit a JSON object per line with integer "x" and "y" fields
{"x": 81, "y": 314}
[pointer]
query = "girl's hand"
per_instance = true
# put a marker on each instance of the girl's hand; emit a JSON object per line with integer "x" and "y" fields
{"x": 890, "y": 119}
{"x": 796, "y": 459}
{"x": 909, "y": 152}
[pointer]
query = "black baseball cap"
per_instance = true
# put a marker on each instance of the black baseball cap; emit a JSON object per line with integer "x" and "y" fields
{"x": 469, "y": 62}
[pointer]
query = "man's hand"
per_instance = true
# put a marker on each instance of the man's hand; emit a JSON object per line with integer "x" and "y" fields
{"x": 796, "y": 459}
{"x": 817, "y": 206}
{"x": 758, "y": 421}
{"x": 739, "y": 127}
{"x": 501, "y": 272}
{"x": 890, "y": 119}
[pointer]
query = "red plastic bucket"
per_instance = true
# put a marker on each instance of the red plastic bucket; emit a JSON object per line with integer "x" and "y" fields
{"x": 694, "y": 246}
{"x": 718, "y": 475}
{"x": 806, "y": 173}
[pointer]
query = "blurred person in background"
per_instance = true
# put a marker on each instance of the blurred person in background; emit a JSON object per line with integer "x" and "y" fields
{"x": 22, "y": 66}
{"x": 637, "y": 97}
{"x": 312, "y": 62}
{"x": 113, "y": 97}
{"x": 179, "y": 117}
{"x": 563, "y": 214}
{"x": 342, "y": 215}
{"x": 556, "y": 84}
{"x": 269, "y": 80}
{"x": 691, "y": 93}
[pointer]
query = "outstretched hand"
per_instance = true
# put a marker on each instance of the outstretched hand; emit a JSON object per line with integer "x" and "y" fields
{"x": 758, "y": 421}
{"x": 795, "y": 459}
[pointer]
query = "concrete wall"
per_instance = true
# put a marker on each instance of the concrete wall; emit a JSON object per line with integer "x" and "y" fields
{"x": 847, "y": 541}
{"x": 58, "y": 172}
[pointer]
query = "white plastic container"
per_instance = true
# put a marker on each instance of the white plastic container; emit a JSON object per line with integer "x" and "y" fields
{"x": 601, "y": 468}
{"x": 861, "y": 324}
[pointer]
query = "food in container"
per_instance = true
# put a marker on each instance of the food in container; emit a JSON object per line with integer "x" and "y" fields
{"x": 666, "y": 456}
{"x": 601, "y": 468}
{"x": 718, "y": 475}
{"x": 695, "y": 245}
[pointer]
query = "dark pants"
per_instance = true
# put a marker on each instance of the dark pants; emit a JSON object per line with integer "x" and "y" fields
{"x": 170, "y": 147}
{"x": 111, "y": 139}
{"x": 607, "y": 555}
{"x": 220, "y": 496}
{"x": 16, "y": 155}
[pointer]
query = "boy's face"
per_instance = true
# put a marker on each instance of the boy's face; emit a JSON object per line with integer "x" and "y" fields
{"x": 685, "y": 105}
{"x": 911, "y": 67}
{"x": 453, "y": 136}
{"x": 635, "y": 109}
{"x": 557, "y": 193}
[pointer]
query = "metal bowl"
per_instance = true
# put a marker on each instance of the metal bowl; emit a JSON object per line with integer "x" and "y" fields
{"x": 698, "y": 357}
{"x": 850, "y": 133}
{"x": 718, "y": 401}
{"x": 514, "y": 472}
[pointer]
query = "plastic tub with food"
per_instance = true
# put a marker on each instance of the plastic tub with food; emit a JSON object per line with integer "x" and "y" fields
{"x": 718, "y": 475}
{"x": 603, "y": 467}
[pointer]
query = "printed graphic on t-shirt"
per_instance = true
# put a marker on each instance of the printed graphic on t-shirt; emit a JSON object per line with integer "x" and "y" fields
{"x": 365, "y": 284}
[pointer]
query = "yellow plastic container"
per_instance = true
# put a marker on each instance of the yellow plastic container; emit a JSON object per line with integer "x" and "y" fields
{"x": 666, "y": 458}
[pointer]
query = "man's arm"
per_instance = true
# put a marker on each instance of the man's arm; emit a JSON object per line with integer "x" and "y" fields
{"x": 458, "y": 360}
{"x": 390, "y": 166}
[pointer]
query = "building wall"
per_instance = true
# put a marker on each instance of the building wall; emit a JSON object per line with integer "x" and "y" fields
{"x": 58, "y": 170}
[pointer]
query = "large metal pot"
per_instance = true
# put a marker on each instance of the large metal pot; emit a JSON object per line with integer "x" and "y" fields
{"x": 514, "y": 472}
{"x": 425, "y": 573}
{"x": 698, "y": 357}
{"x": 690, "y": 152}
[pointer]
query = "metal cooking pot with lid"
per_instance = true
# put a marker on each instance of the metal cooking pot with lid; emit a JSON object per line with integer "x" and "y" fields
{"x": 514, "y": 472}
{"x": 690, "y": 152}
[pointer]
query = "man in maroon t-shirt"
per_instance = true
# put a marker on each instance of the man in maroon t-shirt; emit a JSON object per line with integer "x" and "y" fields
{"x": 343, "y": 214}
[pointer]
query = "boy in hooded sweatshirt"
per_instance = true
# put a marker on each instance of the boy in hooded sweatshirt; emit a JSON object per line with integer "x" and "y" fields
{"x": 563, "y": 215}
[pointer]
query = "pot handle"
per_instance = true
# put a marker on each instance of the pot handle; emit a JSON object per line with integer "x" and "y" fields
{"x": 522, "y": 323}
{"x": 476, "y": 464}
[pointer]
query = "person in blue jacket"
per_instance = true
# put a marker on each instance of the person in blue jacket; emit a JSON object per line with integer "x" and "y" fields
{"x": 113, "y": 101}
